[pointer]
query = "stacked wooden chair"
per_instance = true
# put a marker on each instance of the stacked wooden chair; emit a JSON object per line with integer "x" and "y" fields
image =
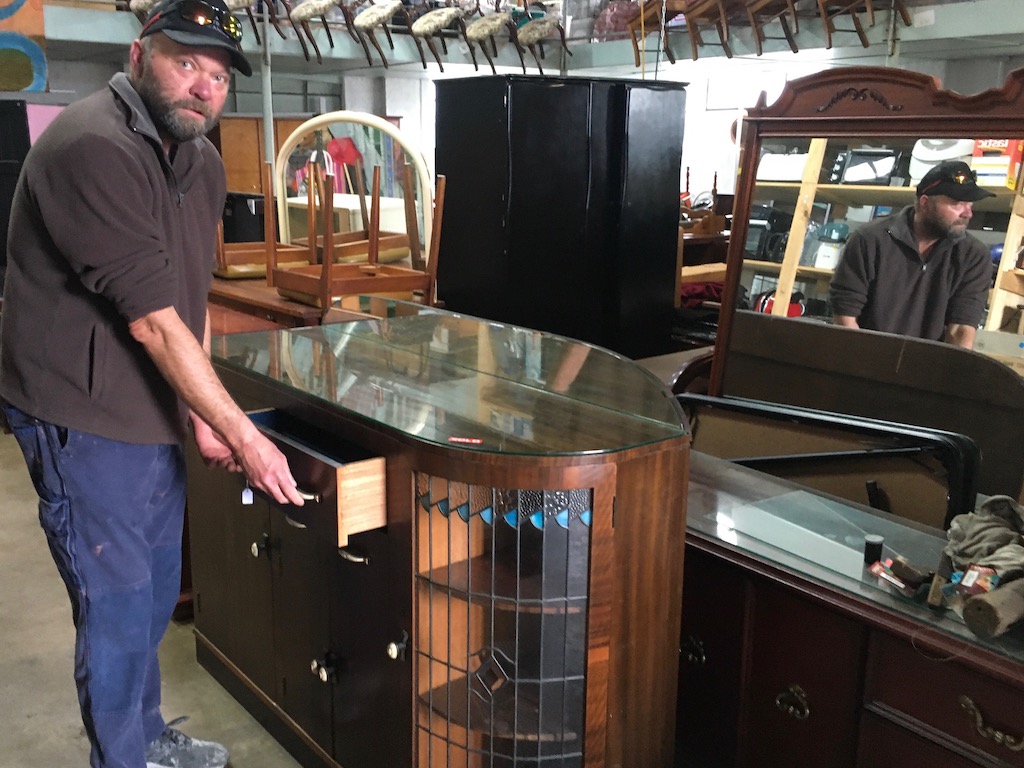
{"x": 830, "y": 10}
{"x": 324, "y": 279}
{"x": 248, "y": 260}
{"x": 695, "y": 12}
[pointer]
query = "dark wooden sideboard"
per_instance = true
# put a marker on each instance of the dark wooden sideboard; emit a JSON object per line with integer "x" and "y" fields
{"x": 786, "y": 661}
{"x": 489, "y": 569}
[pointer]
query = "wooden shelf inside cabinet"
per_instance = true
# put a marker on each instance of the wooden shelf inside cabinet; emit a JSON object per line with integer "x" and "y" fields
{"x": 776, "y": 266}
{"x": 1012, "y": 280}
{"x": 481, "y": 579}
{"x": 866, "y": 194}
{"x": 497, "y": 712}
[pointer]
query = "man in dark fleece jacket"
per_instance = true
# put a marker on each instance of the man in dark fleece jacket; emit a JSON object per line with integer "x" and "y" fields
{"x": 105, "y": 361}
{"x": 918, "y": 272}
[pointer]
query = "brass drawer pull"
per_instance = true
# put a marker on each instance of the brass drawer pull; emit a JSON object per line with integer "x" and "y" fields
{"x": 987, "y": 731}
{"x": 352, "y": 557}
{"x": 793, "y": 701}
{"x": 312, "y": 496}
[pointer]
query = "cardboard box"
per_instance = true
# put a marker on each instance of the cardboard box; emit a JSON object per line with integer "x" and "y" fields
{"x": 997, "y": 161}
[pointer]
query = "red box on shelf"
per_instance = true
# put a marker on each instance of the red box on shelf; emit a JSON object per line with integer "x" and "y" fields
{"x": 997, "y": 161}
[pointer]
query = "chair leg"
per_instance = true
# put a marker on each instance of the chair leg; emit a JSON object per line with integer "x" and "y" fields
{"x": 366, "y": 49}
{"x": 723, "y": 36}
{"x": 827, "y": 21}
{"x": 513, "y": 38}
{"x": 312, "y": 40}
{"x": 387, "y": 34}
{"x": 375, "y": 44}
{"x": 487, "y": 55}
{"x": 695, "y": 41}
{"x": 759, "y": 35}
{"x": 327, "y": 29}
{"x": 902, "y": 10}
{"x": 788, "y": 33}
{"x": 270, "y": 7}
{"x": 252, "y": 21}
{"x": 636, "y": 47}
{"x": 533, "y": 50}
{"x": 419, "y": 47}
{"x": 859, "y": 29}
{"x": 565, "y": 45}
{"x": 433, "y": 50}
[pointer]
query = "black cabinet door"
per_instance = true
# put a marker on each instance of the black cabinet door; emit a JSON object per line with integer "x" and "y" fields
{"x": 562, "y": 205}
{"x": 231, "y": 547}
{"x": 372, "y": 691}
{"x": 301, "y": 586}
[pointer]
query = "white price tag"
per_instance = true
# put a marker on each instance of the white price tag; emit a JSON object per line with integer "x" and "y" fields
{"x": 247, "y": 495}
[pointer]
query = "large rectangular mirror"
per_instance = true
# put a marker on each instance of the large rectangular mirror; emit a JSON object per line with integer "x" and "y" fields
{"x": 836, "y": 151}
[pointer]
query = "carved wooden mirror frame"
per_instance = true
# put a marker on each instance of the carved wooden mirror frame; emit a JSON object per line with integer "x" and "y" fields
{"x": 855, "y": 102}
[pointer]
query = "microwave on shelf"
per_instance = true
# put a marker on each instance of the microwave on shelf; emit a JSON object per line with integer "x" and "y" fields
{"x": 876, "y": 167}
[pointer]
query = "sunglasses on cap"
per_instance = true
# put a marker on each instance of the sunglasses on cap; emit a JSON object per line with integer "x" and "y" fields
{"x": 960, "y": 177}
{"x": 202, "y": 15}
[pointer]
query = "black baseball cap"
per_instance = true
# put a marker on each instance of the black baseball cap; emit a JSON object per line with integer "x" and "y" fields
{"x": 955, "y": 179}
{"x": 206, "y": 23}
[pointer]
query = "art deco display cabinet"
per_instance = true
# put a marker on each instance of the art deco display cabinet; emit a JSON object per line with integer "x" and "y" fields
{"x": 488, "y": 571}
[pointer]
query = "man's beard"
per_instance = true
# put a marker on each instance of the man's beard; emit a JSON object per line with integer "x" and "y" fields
{"x": 933, "y": 225}
{"x": 168, "y": 120}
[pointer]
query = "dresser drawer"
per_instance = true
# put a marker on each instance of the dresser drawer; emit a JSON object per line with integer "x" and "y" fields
{"x": 338, "y": 478}
{"x": 884, "y": 744}
{"x": 946, "y": 702}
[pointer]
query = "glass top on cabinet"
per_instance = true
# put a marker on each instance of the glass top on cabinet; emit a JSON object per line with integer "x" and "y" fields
{"x": 464, "y": 382}
{"x": 821, "y": 539}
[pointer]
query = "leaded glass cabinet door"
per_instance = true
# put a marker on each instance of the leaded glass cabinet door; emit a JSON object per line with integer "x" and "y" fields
{"x": 502, "y": 598}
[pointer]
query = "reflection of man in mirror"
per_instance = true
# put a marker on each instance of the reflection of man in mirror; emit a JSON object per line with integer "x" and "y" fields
{"x": 918, "y": 272}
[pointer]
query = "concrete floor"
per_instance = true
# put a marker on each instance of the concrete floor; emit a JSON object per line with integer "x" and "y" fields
{"x": 38, "y": 705}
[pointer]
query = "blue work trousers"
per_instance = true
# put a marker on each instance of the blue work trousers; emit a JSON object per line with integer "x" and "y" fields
{"x": 113, "y": 515}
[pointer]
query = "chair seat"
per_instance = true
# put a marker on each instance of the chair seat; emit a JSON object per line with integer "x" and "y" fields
{"x": 538, "y": 29}
{"x": 376, "y": 15}
{"x": 311, "y": 9}
{"x": 488, "y": 26}
{"x": 436, "y": 20}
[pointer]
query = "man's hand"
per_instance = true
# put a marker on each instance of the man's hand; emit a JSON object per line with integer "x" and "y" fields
{"x": 215, "y": 452}
{"x": 267, "y": 469}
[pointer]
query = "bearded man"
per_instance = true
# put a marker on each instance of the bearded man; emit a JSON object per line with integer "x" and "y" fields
{"x": 105, "y": 361}
{"x": 918, "y": 272}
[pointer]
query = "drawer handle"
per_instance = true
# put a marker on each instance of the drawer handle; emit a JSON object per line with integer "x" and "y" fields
{"x": 352, "y": 557}
{"x": 293, "y": 522}
{"x": 309, "y": 495}
{"x": 987, "y": 731}
{"x": 793, "y": 701}
{"x": 693, "y": 651}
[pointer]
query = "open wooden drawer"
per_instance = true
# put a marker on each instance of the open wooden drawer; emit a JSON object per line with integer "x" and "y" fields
{"x": 332, "y": 474}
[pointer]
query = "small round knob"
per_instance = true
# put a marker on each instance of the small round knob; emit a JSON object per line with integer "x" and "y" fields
{"x": 396, "y": 650}
{"x": 323, "y": 668}
{"x": 258, "y": 548}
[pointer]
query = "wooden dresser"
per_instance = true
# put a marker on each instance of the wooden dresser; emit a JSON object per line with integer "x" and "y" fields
{"x": 793, "y": 654}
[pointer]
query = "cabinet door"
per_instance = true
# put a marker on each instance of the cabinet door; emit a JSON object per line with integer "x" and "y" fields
{"x": 711, "y": 661}
{"x": 372, "y": 691}
{"x": 231, "y": 546}
{"x": 303, "y": 659}
{"x": 801, "y": 700}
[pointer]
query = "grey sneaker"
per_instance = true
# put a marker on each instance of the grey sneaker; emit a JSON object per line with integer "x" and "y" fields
{"x": 173, "y": 749}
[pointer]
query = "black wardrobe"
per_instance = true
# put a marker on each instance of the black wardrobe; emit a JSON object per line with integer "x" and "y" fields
{"x": 562, "y": 205}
